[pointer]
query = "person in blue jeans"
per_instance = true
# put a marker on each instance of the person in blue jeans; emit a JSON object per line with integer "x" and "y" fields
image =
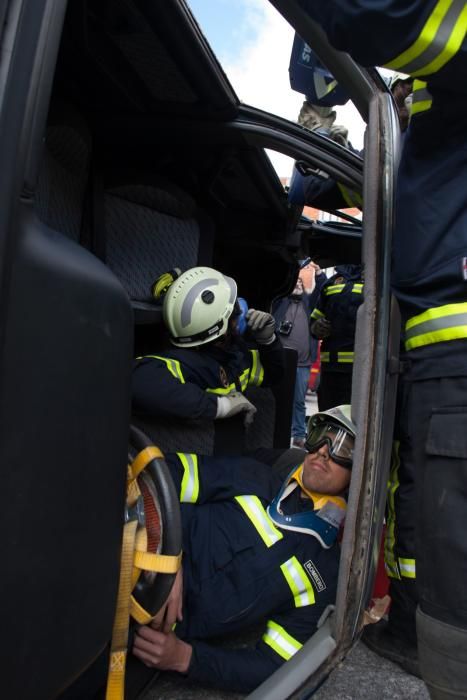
{"x": 292, "y": 315}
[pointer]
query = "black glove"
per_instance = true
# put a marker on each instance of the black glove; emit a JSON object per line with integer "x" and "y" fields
{"x": 261, "y": 326}
{"x": 321, "y": 328}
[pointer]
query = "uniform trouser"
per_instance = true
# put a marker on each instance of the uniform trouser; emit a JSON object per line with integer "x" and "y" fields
{"x": 399, "y": 546}
{"x": 435, "y": 416}
{"x": 335, "y": 388}
{"x": 299, "y": 408}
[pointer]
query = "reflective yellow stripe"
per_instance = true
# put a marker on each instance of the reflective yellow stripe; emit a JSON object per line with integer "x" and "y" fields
{"x": 281, "y": 641}
{"x": 257, "y": 370}
{"x": 345, "y": 356}
{"x": 189, "y": 489}
{"x": 357, "y": 288}
{"x": 407, "y": 567}
{"x": 351, "y": 198}
{"x": 440, "y": 39}
{"x": 299, "y": 583}
{"x": 333, "y": 289}
{"x": 390, "y": 539}
{"x": 421, "y": 100}
{"x": 173, "y": 366}
{"x": 316, "y": 313}
{"x": 436, "y": 325}
{"x": 222, "y": 390}
{"x": 260, "y": 519}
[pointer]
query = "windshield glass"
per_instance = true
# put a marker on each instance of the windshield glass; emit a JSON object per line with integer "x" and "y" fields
{"x": 253, "y": 43}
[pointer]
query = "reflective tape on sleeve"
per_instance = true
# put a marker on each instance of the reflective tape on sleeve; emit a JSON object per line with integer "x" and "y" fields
{"x": 189, "y": 489}
{"x": 256, "y": 371}
{"x": 173, "y": 366}
{"x": 350, "y": 197}
{"x": 407, "y": 568}
{"x": 316, "y": 313}
{"x": 439, "y": 40}
{"x": 281, "y": 641}
{"x": 334, "y": 289}
{"x": 260, "y": 519}
{"x": 421, "y": 98}
{"x": 299, "y": 583}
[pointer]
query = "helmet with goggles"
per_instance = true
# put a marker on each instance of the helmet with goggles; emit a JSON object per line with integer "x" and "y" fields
{"x": 198, "y": 305}
{"x": 335, "y": 428}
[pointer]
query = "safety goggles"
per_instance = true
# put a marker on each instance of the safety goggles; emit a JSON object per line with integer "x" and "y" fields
{"x": 339, "y": 441}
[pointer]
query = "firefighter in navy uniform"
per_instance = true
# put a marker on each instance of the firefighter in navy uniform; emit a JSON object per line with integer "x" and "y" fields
{"x": 427, "y": 40}
{"x": 333, "y": 320}
{"x": 210, "y": 366}
{"x": 255, "y": 550}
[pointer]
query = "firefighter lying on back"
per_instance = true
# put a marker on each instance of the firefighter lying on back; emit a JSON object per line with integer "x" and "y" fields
{"x": 254, "y": 551}
{"x": 211, "y": 365}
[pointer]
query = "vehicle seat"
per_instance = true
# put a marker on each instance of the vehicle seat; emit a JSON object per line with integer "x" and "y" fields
{"x": 64, "y": 174}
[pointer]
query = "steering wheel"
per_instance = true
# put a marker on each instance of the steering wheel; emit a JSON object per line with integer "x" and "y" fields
{"x": 162, "y": 521}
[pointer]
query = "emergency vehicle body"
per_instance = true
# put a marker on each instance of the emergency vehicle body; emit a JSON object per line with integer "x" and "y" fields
{"x": 125, "y": 151}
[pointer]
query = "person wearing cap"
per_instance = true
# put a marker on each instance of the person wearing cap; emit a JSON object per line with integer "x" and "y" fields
{"x": 292, "y": 315}
{"x": 210, "y": 364}
{"x": 258, "y": 549}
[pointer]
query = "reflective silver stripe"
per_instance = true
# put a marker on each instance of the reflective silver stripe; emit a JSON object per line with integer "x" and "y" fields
{"x": 173, "y": 366}
{"x": 260, "y": 519}
{"x": 350, "y": 197}
{"x": 281, "y": 641}
{"x": 345, "y": 356}
{"x": 390, "y": 538}
{"x": 189, "y": 489}
{"x": 421, "y": 98}
{"x": 324, "y": 357}
{"x": 191, "y": 297}
{"x": 436, "y": 325}
{"x": 440, "y": 39}
{"x": 256, "y": 371}
{"x": 407, "y": 567}
{"x": 222, "y": 390}
{"x": 316, "y": 313}
{"x": 299, "y": 583}
{"x": 334, "y": 289}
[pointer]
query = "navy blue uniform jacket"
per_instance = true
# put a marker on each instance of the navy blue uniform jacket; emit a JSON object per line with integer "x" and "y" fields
{"x": 239, "y": 569}
{"x": 426, "y": 39}
{"x": 339, "y": 301}
{"x": 185, "y": 382}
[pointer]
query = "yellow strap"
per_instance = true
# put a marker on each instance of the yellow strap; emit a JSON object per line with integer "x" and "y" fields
{"x": 138, "y": 613}
{"x": 162, "y": 563}
{"x": 118, "y": 649}
{"x": 143, "y": 458}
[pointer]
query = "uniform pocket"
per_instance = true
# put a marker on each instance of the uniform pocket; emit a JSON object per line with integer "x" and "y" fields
{"x": 447, "y": 433}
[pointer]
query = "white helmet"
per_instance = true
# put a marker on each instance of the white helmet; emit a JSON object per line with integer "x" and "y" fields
{"x": 198, "y": 305}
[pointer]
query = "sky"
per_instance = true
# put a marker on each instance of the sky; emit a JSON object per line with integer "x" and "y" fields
{"x": 253, "y": 43}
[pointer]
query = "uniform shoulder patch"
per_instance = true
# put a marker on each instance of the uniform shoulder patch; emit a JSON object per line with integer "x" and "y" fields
{"x": 315, "y": 576}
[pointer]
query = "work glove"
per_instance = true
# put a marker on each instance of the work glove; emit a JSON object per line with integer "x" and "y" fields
{"x": 321, "y": 328}
{"x": 234, "y": 403}
{"x": 261, "y": 326}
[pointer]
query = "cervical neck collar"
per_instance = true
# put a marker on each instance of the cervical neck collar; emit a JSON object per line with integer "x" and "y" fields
{"x": 323, "y": 522}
